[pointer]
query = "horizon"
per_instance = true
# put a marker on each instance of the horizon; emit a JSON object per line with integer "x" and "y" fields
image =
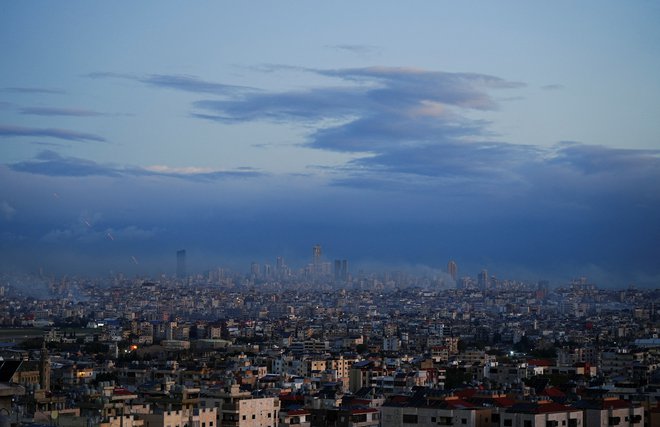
{"x": 510, "y": 137}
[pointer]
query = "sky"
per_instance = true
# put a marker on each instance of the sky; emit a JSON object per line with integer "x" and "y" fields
{"x": 518, "y": 137}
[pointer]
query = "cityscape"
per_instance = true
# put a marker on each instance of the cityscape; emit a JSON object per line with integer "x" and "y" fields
{"x": 345, "y": 214}
{"x": 323, "y": 346}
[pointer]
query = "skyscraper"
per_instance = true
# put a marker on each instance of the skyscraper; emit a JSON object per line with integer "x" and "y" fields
{"x": 337, "y": 270}
{"x": 452, "y": 269}
{"x": 181, "y": 264}
{"x": 341, "y": 270}
{"x": 316, "y": 260}
{"x": 482, "y": 280}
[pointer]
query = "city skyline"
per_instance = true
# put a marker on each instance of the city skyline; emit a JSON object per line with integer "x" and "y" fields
{"x": 515, "y": 138}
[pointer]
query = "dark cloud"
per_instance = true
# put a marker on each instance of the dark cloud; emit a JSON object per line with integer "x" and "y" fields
{"x": 65, "y": 134}
{"x": 54, "y": 111}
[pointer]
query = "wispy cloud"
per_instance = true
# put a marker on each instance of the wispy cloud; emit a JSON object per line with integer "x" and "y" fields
{"x": 180, "y": 82}
{"x": 55, "y": 111}
{"x": 552, "y": 87}
{"x": 51, "y": 163}
{"x": 196, "y": 173}
{"x": 81, "y": 233}
{"x": 357, "y": 49}
{"x": 7, "y": 211}
{"x": 38, "y": 90}
{"x": 415, "y": 129}
{"x": 409, "y": 121}
{"x": 65, "y": 134}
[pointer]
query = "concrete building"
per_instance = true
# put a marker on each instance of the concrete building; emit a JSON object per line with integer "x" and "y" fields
{"x": 238, "y": 408}
{"x": 541, "y": 414}
{"x": 611, "y": 412}
{"x": 202, "y": 417}
{"x": 434, "y": 411}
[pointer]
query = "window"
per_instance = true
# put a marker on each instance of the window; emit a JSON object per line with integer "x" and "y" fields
{"x": 572, "y": 422}
{"x": 507, "y": 422}
{"x": 527, "y": 423}
{"x": 614, "y": 421}
{"x": 409, "y": 418}
{"x": 244, "y": 417}
{"x": 496, "y": 418}
{"x": 463, "y": 420}
{"x": 359, "y": 418}
{"x": 254, "y": 416}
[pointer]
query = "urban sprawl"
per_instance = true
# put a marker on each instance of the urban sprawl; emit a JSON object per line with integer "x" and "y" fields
{"x": 320, "y": 346}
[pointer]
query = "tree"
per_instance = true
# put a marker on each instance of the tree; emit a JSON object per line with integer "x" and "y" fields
{"x": 456, "y": 377}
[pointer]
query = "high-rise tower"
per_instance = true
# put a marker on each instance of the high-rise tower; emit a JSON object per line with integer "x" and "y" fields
{"x": 341, "y": 270}
{"x": 44, "y": 368}
{"x": 482, "y": 280}
{"x": 181, "y": 264}
{"x": 452, "y": 269}
{"x": 316, "y": 260}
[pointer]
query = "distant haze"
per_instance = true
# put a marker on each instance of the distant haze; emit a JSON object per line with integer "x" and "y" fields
{"x": 514, "y": 137}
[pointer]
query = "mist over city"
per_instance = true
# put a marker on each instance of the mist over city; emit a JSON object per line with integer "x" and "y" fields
{"x": 309, "y": 214}
{"x": 492, "y": 136}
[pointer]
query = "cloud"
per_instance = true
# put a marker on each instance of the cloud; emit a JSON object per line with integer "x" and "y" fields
{"x": 404, "y": 121}
{"x": 84, "y": 234}
{"x": 37, "y": 90}
{"x": 50, "y": 163}
{"x": 54, "y": 111}
{"x": 305, "y": 106}
{"x": 427, "y": 179}
{"x": 65, "y": 134}
{"x": 414, "y": 131}
{"x": 7, "y": 210}
{"x": 184, "y": 83}
{"x": 357, "y": 49}
{"x": 382, "y": 109}
{"x": 594, "y": 159}
{"x": 552, "y": 87}
{"x": 197, "y": 173}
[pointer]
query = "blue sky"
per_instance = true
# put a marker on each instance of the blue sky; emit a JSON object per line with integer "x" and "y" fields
{"x": 512, "y": 136}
